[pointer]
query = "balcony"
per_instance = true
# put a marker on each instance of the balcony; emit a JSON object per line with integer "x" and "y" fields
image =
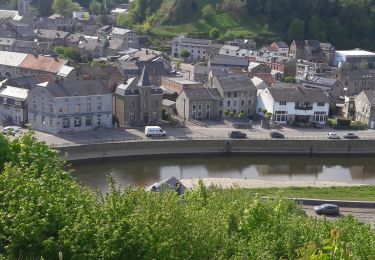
{"x": 297, "y": 107}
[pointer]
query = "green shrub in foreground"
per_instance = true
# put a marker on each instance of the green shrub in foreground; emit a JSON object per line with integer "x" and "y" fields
{"x": 45, "y": 212}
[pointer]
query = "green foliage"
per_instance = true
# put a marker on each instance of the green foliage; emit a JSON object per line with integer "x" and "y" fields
{"x": 241, "y": 115}
{"x": 214, "y": 33}
{"x": 208, "y": 11}
{"x": 45, "y": 213}
{"x": 357, "y": 125}
{"x": 332, "y": 122}
{"x": 289, "y": 79}
{"x": 269, "y": 115}
{"x": 185, "y": 53}
{"x": 264, "y": 111}
{"x": 296, "y": 30}
{"x": 69, "y": 53}
{"x": 65, "y": 7}
{"x": 231, "y": 114}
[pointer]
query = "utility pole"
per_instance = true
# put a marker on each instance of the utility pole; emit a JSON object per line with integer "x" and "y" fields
{"x": 184, "y": 112}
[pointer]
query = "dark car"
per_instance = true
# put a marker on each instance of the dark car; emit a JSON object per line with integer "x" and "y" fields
{"x": 350, "y": 136}
{"x": 327, "y": 209}
{"x": 236, "y": 134}
{"x": 275, "y": 134}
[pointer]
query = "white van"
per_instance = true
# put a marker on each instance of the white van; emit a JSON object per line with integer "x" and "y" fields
{"x": 154, "y": 131}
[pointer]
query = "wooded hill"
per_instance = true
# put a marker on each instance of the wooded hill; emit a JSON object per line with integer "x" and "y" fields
{"x": 345, "y": 23}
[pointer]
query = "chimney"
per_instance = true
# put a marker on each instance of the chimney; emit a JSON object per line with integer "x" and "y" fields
{"x": 147, "y": 51}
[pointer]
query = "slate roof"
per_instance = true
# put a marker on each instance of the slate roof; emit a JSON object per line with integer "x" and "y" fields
{"x": 196, "y": 94}
{"x": 322, "y": 81}
{"x": 235, "y": 82}
{"x": 154, "y": 67}
{"x": 33, "y": 45}
{"x": 370, "y": 94}
{"x": 129, "y": 88}
{"x": 42, "y": 63}
{"x": 313, "y": 44}
{"x": 300, "y": 44}
{"x": 359, "y": 74}
{"x": 144, "y": 80}
{"x": 282, "y": 45}
{"x": 51, "y": 34}
{"x": 71, "y": 88}
{"x": 91, "y": 43}
{"x": 291, "y": 92}
{"x": 191, "y": 41}
{"x": 220, "y": 59}
{"x": 29, "y": 81}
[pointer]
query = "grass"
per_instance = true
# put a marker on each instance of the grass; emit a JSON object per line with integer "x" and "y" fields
{"x": 356, "y": 193}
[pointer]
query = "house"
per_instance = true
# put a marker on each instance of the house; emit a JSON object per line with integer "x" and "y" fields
{"x": 233, "y": 51}
{"x": 332, "y": 87}
{"x": 22, "y": 30}
{"x": 53, "y": 36}
{"x": 110, "y": 75}
{"x": 137, "y": 102}
{"x": 306, "y": 69}
{"x": 13, "y": 105}
{"x": 33, "y": 47}
{"x": 128, "y": 69}
{"x": 312, "y": 51}
{"x": 104, "y": 32}
{"x": 6, "y": 44}
{"x": 91, "y": 47}
{"x": 155, "y": 70}
{"x": 178, "y": 84}
{"x": 199, "y": 104}
{"x": 129, "y": 37}
{"x": 256, "y": 67}
{"x": 198, "y": 72}
{"x": 113, "y": 47}
{"x": 280, "y": 48}
{"x": 196, "y": 47}
{"x": 69, "y": 106}
{"x": 28, "y": 82}
{"x": 354, "y": 81}
{"x": 247, "y": 44}
{"x": 266, "y": 77}
{"x": 238, "y": 93}
{"x": 56, "y": 22}
{"x": 364, "y": 104}
{"x": 228, "y": 61}
{"x": 354, "y": 59}
{"x": 292, "y": 102}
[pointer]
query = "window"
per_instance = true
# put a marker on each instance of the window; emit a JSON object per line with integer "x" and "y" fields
{"x": 131, "y": 116}
{"x": 98, "y": 120}
{"x": 133, "y": 104}
{"x": 88, "y": 107}
{"x": 99, "y": 106}
{"x": 50, "y": 108}
{"x": 77, "y": 122}
{"x": 43, "y": 107}
{"x": 51, "y": 121}
{"x": 35, "y": 118}
{"x": 208, "y": 106}
{"x": 319, "y": 117}
{"x": 229, "y": 94}
{"x": 235, "y": 103}
{"x": 221, "y": 103}
{"x": 66, "y": 122}
{"x": 321, "y": 104}
{"x": 34, "y": 104}
{"x": 88, "y": 120}
{"x": 280, "y": 116}
{"x": 282, "y": 103}
{"x": 65, "y": 109}
{"x": 78, "y": 108}
{"x": 155, "y": 115}
{"x": 235, "y": 94}
{"x": 193, "y": 107}
{"x": 200, "y": 106}
{"x": 228, "y": 103}
{"x": 242, "y": 102}
{"x": 155, "y": 103}
{"x": 145, "y": 104}
{"x": 43, "y": 120}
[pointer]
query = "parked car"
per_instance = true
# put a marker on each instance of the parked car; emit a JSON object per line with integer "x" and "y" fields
{"x": 237, "y": 134}
{"x": 12, "y": 130}
{"x": 275, "y": 134}
{"x": 154, "y": 131}
{"x": 317, "y": 125}
{"x": 327, "y": 209}
{"x": 350, "y": 136}
{"x": 332, "y": 136}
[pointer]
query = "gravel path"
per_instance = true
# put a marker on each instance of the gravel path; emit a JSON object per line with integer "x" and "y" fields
{"x": 246, "y": 183}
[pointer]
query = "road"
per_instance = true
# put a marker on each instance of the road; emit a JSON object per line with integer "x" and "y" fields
{"x": 214, "y": 130}
{"x": 364, "y": 215}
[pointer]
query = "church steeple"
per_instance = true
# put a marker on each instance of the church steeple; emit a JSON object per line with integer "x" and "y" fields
{"x": 144, "y": 80}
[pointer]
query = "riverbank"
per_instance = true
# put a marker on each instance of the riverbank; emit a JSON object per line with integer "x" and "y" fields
{"x": 169, "y": 147}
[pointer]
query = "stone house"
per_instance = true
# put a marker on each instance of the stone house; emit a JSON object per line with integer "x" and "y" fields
{"x": 332, "y": 87}
{"x": 69, "y": 106}
{"x": 248, "y": 44}
{"x": 128, "y": 37}
{"x": 256, "y": 67}
{"x": 33, "y": 47}
{"x": 365, "y": 108}
{"x": 238, "y": 93}
{"x": 292, "y": 102}
{"x": 13, "y": 105}
{"x": 198, "y": 48}
{"x": 137, "y": 102}
{"x": 312, "y": 51}
{"x": 220, "y": 60}
{"x": 354, "y": 81}
{"x": 178, "y": 84}
{"x": 53, "y": 36}
{"x": 280, "y": 48}
{"x": 199, "y": 104}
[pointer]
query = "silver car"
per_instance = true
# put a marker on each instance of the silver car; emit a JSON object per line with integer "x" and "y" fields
{"x": 327, "y": 209}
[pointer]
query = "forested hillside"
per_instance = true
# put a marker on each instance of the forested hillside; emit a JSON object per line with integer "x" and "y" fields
{"x": 345, "y": 23}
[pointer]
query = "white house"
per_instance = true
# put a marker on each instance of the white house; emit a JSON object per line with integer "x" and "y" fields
{"x": 293, "y": 102}
{"x": 197, "y": 47}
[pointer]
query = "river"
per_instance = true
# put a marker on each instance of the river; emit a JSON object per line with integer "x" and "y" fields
{"x": 146, "y": 171}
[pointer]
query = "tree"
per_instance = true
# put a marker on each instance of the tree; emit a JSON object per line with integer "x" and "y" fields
{"x": 214, "y": 33}
{"x": 185, "y": 54}
{"x": 296, "y": 30}
{"x": 44, "y": 7}
{"x": 96, "y": 8}
{"x": 65, "y": 7}
{"x": 208, "y": 11}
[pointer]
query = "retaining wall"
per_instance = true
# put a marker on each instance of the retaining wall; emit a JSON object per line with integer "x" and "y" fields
{"x": 160, "y": 147}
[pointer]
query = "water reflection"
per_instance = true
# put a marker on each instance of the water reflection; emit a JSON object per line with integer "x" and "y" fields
{"x": 143, "y": 172}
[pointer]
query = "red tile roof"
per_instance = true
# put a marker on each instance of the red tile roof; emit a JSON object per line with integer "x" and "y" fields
{"x": 42, "y": 63}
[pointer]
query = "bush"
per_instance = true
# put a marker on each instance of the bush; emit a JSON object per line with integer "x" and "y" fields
{"x": 241, "y": 115}
{"x": 231, "y": 114}
{"x": 356, "y": 125}
{"x": 332, "y": 122}
{"x": 208, "y": 11}
{"x": 214, "y": 33}
{"x": 341, "y": 122}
